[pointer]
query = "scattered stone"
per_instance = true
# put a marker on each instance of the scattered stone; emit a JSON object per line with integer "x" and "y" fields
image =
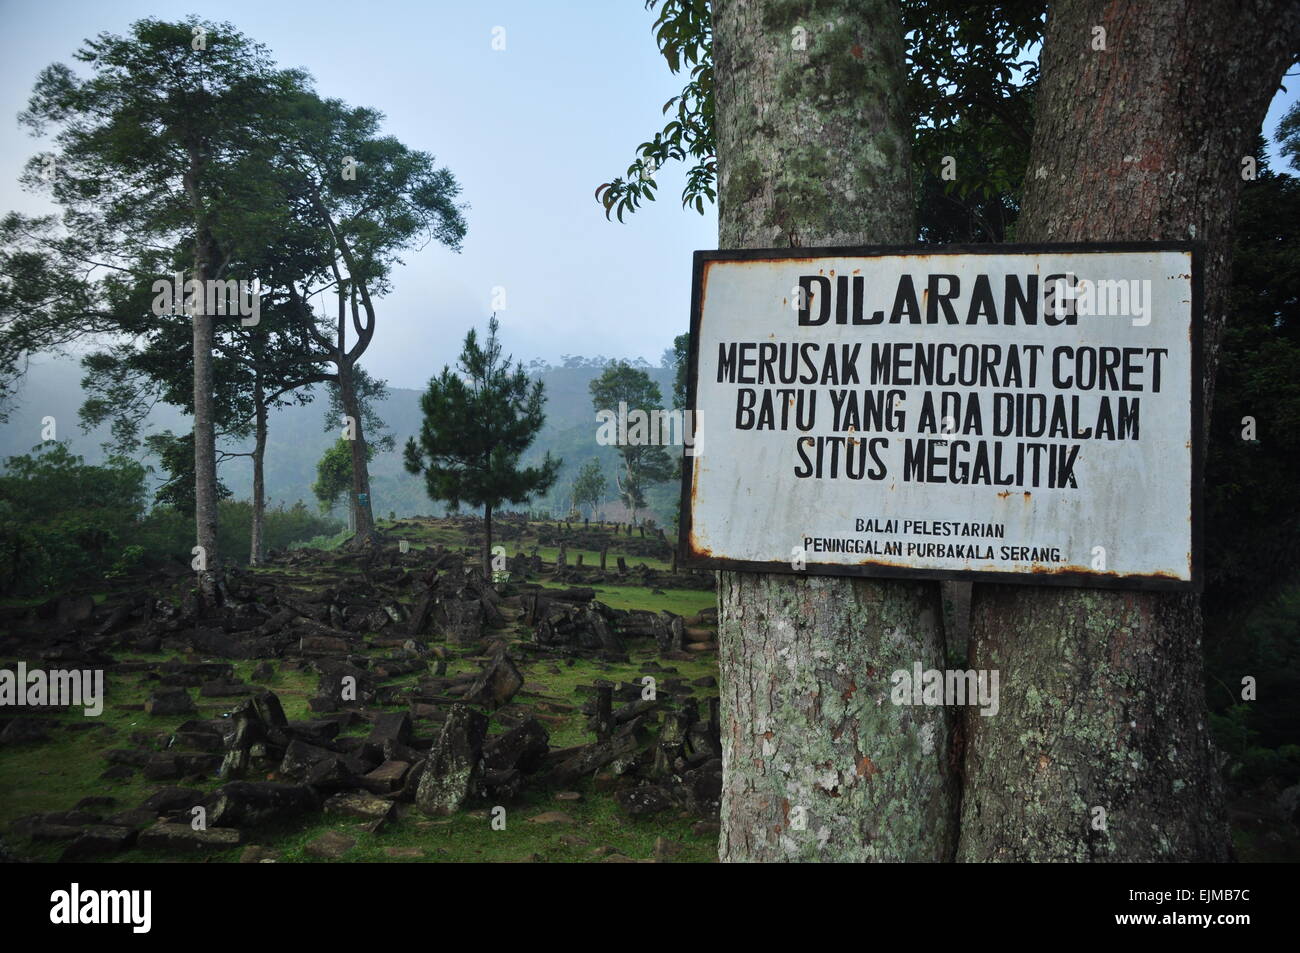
{"x": 377, "y": 810}
{"x": 182, "y": 837}
{"x": 643, "y": 801}
{"x": 404, "y": 853}
{"x": 706, "y": 828}
{"x": 665, "y": 850}
{"x": 497, "y": 684}
{"x": 252, "y": 803}
{"x": 135, "y": 818}
{"x": 391, "y": 726}
{"x": 99, "y": 840}
{"x": 96, "y": 802}
{"x": 386, "y": 778}
{"x": 257, "y": 854}
{"x": 172, "y": 800}
{"x": 25, "y": 731}
{"x": 551, "y": 817}
{"x": 331, "y": 845}
{"x": 453, "y": 762}
{"x": 323, "y": 645}
{"x": 169, "y": 701}
{"x": 524, "y": 748}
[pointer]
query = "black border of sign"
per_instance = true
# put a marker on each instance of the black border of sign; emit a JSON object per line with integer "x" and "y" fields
{"x": 689, "y": 559}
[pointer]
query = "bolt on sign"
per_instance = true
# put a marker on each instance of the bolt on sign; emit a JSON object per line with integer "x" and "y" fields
{"x": 1015, "y": 413}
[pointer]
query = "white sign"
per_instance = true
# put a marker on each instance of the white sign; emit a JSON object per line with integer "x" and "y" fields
{"x": 1024, "y": 413}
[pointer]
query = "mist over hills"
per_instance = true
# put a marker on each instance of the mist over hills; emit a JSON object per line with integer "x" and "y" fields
{"x": 297, "y": 437}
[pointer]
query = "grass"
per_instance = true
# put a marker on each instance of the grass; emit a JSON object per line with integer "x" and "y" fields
{"x": 683, "y": 602}
{"x": 594, "y": 828}
{"x": 57, "y": 775}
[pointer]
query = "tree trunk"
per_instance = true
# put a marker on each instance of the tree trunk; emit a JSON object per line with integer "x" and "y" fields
{"x": 205, "y": 446}
{"x": 256, "y": 546}
{"x": 814, "y": 149}
{"x": 1104, "y": 704}
{"x": 487, "y": 542}
{"x": 361, "y": 503}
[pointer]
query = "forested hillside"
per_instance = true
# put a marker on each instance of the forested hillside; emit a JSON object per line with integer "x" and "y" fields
{"x": 297, "y": 438}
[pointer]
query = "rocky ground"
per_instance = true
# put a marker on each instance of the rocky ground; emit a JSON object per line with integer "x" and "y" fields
{"x": 382, "y": 703}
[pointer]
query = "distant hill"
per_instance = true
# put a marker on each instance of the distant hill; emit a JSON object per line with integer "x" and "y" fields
{"x": 297, "y": 437}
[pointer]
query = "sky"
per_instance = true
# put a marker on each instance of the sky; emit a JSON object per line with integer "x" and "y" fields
{"x": 530, "y": 131}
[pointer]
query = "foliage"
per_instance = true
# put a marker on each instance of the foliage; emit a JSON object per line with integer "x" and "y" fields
{"x": 679, "y": 359}
{"x": 62, "y": 520}
{"x": 370, "y": 391}
{"x": 65, "y": 523}
{"x": 643, "y": 464}
{"x": 684, "y": 33}
{"x": 1252, "y": 524}
{"x": 477, "y": 424}
{"x": 970, "y": 81}
{"x": 177, "y": 457}
{"x": 589, "y": 487}
{"x": 45, "y": 300}
{"x": 334, "y": 473}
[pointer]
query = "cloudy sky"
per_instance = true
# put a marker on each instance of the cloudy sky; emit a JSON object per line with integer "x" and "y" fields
{"x": 529, "y": 131}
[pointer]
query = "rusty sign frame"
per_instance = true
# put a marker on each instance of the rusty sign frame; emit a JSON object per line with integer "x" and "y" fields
{"x": 691, "y": 559}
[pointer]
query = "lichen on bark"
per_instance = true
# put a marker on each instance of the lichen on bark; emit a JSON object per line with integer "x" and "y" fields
{"x": 818, "y": 763}
{"x": 1103, "y": 701}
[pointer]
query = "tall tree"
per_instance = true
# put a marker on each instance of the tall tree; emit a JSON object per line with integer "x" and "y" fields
{"x": 176, "y": 454}
{"x": 970, "y": 97}
{"x": 370, "y": 198}
{"x": 970, "y": 76}
{"x": 1140, "y": 133}
{"x": 369, "y": 391}
{"x": 334, "y": 478}
{"x": 589, "y": 487}
{"x": 624, "y": 393}
{"x": 145, "y": 150}
{"x": 477, "y": 424}
{"x": 813, "y": 148}
{"x": 681, "y": 365}
{"x": 256, "y": 368}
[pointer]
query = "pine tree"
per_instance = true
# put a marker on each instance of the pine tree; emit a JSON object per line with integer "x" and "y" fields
{"x": 478, "y": 422}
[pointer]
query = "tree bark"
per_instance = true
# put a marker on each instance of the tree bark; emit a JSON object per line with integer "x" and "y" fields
{"x": 205, "y": 441}
{"x": 205, "y": 453}
{"x": 256, "y": 546}
{"x": 818, "y": 764}
{"x": 361, "y": 503}
{"x": 487, "y": 542}
{"x": 1103, "y": 703}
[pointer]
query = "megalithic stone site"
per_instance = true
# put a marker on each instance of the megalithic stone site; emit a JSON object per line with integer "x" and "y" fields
{"x": 851, "y": 432}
